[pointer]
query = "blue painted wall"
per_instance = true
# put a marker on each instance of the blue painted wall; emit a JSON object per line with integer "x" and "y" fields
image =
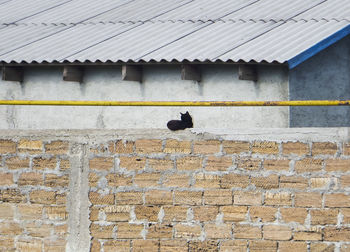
{"x": 325, "y": 76}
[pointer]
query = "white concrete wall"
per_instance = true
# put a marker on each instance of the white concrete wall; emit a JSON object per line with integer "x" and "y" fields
{"x": 160, "y": 82}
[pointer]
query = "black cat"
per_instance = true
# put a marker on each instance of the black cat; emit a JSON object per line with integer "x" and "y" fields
{"x": 185, "y": 122}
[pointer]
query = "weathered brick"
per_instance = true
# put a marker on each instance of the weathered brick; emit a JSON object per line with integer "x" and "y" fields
{"x": 308, "y": 165}
{"x": 61, "y": 230}
{"x": 188, "y": 198}
{"x": 292, "y": 246}
{"x": 101, "y": 163}
{"x": 157, "y": 197}
{"x": 147, "y": 179}
{"x": 148, "y": 146}
{"x": 56, "y": 213}
{"x": 116, "y": 180}
{"x": 159, "y": 231}
{"x": 6, "y": 179}
{"x": 57, "y": 147}
{"x": 324, "y": 148}
{"x": 218, "y": 163}
{"x": 266, "y": 214}
{"x": 336, "y": 234}
{"x": 30, "y": 212}
{"x": 7, "y": 244}
{"x": 221, "y": 231}
{"x": 242, "y": 231}
{"x": 10, "y": 228}
{"x": 293, "y": 182}
{"x": 6, "y": 211}
{"x": 173, "y": 245}
{"x": 276, "y": 164}
{"x": 189, "y": 163}
{"x": 208, "y": 246}
{"x": 233, "y": 246}
{"x": 185, "y": 231}
{"x": 26, "y": 245}
{"x": 149, "y": 213}
{"x": 177, "y": 180}
{"x": 324, "y": 216}
{"x": 294, "y": 214}
{"x": 344, "y": 248}
{"x": 52, "y": 180}
{"x": 247, "y": 198}
{"x": 160, "y": 164}
{"x": 12, "y": 196}
{"x": 7, "y": 146}
{"x": 93, "y": 179}
{"x": 42, "y": 197}
{"x": 132, "y": 198}
{"x": 278, "y": 199}
{"x": 206, "y": 147}
{"x": 174, "y": 213}
{"x": 145, "y": 245}
{"x": 234, "y": 213}
{"x": 95, "y": 245}
{"x": 205, "y": 213}
{"x": 99, "y": 199}
{"x": 345, "y": 181}
{"x": 121, "y": 146}
{"x": 95, "y": 213}
{"x": 39, "y": 230}
{"x": 265, "y": 147}
{"x": 262, "y": 246}
{"x": 346, "y": 215}
{"x": 234, "y": 180}
{"x": 308, "y": 236}
{"x": 250, "y": 164}
{"x": 235, "y": 147}
{"x": 116, "y": 213}
{"x": 30, "y": 178}
{"x": 346, "y": 149}
{"x": 323, "y": 183}
{"x": 218, "y": 197}
{"x": 337, "y": 200}
{"x": 64, "y": 164}
{"x": 17, "y": 163}
{"x": 321, "y": 247}
{"x": 129, "y": 231}
{"x": 58, "y": 245}
{"x": 175, "y": 146}
{"x": 61, "y": 199}
{"x": 277, "y": 232}
{"x": 44, "y": 163}
{"x": 203, "y": 180}
{"x": 269, "y": 182}
{"x": 295, "y": 148}
{"x": 101, "y": 232}
{"x": 30, "y": 146}
{"x": 132, "y": 163}
{"x": 308, "y": 199}
{"x": 112, "y": 246}
{"x": 338, "y": 165}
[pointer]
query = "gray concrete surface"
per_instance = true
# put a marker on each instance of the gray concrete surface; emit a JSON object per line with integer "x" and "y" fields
{"x": 160, "y": 82}
{"x": 325, "y": 76}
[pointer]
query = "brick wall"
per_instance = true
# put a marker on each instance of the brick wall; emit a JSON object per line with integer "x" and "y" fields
{"x": 160, "y": 191}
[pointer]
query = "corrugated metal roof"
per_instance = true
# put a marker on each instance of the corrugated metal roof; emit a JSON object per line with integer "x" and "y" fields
{"x": 282, "y": 31}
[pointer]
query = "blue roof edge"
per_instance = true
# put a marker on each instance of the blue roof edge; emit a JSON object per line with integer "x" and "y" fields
{"x": 295, "y": 61}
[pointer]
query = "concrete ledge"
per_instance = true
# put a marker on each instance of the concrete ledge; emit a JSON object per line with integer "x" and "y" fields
{"x": 272, "y": 134}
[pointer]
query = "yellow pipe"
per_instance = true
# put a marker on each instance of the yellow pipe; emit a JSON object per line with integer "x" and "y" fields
{"x": 178, "y": 103}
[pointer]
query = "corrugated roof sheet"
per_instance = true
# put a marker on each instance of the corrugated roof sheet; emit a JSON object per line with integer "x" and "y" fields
{"x": 281, "y": 31}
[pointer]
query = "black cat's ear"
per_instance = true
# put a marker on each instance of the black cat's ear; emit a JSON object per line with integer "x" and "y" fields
{"x": 181, "y": 113}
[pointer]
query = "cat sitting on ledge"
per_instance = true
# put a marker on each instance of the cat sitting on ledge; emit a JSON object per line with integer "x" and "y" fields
{"x": 185, "y": 122}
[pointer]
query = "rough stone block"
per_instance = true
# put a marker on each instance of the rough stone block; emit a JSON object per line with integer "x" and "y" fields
{"x": 253, "y": 198}
{"x": 265, "y": 147}
{"x": 184, "y": 231}
{"x": 57, "y": 147}
{"x": 146, "y": 146}
{"x": 175, "y": 146}
{"x": 7, "y": 146}
{"x": 101, "y": 163}
{"x": 15, "y": 163}
{"x": 189, "y": 163}
{"x": 99, "y": 199}
{"x": 129, "y": 198}
{"x": 222, "y": 231}
{"x": 234, "y": 213}
{"x": 294, "y": 214}
{"x": 235, "y": 147}
{"x": 295, "y": 148}
{"x": 276, "y": 164}
{"x": 206, "y": 147}
{"x": 277, "y": 232}
{"x": 30, "y": 146}
{"x": 218, "y": 163}
{"x": 132, "y": 163}
{"x": 242, "y": 231}
{"x": 188, "y": 198}
{"x": 264, "y": 213}
{"x": 308, "y": 199}
{"x": 324, "y": 148}
{"x": 218, "y": 197}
